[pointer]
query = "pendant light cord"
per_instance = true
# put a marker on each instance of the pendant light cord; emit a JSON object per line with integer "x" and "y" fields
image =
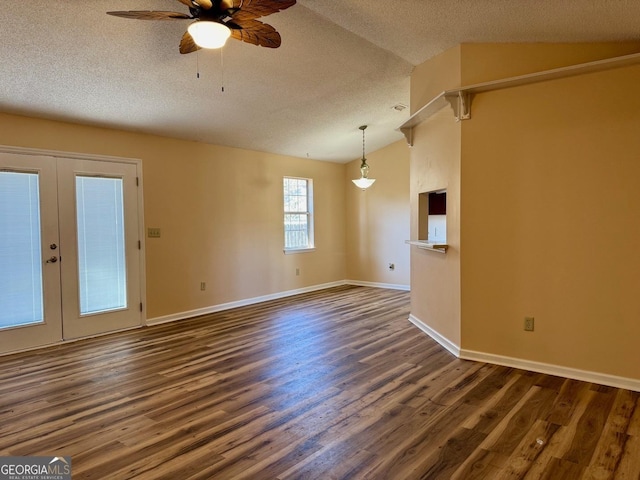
{"x": 364, "y": 160}
{"x": 363, "y": 145}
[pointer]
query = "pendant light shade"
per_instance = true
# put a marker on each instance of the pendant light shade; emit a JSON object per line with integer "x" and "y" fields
{"x": 364, "y": 181}
{"x": 209, "y": 34}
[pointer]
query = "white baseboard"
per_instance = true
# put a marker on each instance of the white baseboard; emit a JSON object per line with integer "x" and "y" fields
{"x": 445, "y": 342}
{"x": 540, "y": 367}
{"x": 274, "y": 296}
{"x": 549, "y": 369}
{"x": 240, "y": 303}
{"x": 392, "y": 286}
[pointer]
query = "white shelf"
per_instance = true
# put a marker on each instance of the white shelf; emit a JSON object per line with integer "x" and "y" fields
{"x": 460, "y": 98}
{"x": 423, "y": 244}
{"x": 435, "y": 105}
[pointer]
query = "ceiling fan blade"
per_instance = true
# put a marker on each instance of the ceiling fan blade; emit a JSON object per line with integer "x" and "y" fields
{"x": 252, "y": 9}
{"x": 256, "y": 33}
{"x": 150, "y": 15}
{"x": 187, "y": 45}
{"x": 205, "y": 4}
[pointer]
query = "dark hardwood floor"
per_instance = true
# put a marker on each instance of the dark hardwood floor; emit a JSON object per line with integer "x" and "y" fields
{"x": 334, "y": 384}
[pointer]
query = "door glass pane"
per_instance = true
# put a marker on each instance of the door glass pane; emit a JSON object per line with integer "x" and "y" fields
{"x": 20, "y": 253}
{"x": 101, "y": 252}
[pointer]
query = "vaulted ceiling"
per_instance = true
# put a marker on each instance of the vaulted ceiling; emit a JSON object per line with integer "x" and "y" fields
{"x": 342, "y": 64}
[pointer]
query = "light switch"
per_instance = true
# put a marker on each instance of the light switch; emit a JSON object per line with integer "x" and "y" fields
{"x": 153, "y": 232}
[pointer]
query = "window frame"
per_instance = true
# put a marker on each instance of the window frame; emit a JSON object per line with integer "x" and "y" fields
{"x": 310, "y": 246}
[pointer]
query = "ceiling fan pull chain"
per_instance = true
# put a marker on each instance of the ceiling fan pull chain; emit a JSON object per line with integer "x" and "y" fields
{"x": 222, "y": 67}
{"x": 197, "y": 65}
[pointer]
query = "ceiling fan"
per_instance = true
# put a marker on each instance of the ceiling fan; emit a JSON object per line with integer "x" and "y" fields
{"x": 235, "y": 18}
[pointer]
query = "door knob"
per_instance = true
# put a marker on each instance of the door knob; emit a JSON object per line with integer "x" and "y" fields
{"x": 52, "y": 260}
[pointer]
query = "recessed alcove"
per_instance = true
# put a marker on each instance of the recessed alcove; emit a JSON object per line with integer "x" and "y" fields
{"x": 432, "y": 221}
{"x": 432, "y": 217}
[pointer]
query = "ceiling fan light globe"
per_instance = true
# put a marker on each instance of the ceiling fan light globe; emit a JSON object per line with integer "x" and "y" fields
{"x": 209, "y": 34}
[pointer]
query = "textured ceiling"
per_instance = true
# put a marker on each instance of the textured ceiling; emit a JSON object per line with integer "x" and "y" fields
{"x": 342, "y": 64}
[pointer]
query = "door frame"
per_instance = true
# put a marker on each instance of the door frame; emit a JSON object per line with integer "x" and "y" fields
{"x": 140, "y": 205}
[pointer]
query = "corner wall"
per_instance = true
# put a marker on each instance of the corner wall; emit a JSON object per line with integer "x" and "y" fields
{"x": 551, "y": 223}
{"x": 435, "y": 165}
{"x": 549, "y": 213}
{"x": 377, "y": 219}
{"x": 435, "y": 277}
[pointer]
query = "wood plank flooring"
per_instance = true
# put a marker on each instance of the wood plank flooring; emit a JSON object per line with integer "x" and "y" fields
{"x": 334, "y": 384}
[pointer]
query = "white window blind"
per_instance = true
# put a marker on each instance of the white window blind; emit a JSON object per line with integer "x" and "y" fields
{"x": 101, "y": 248}
{"x": 21, "y": 300}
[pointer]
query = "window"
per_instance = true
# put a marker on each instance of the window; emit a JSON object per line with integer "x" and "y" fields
{"x": 298, "y": 214}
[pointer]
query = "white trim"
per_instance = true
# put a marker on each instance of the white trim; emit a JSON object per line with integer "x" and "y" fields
{"x": 273, "y": 296}
{"x": 218, "y": 308}
{"x": 392, "y": 286}
{"x": 461, "y": 96}
{"x": 445, "y": 342}
{"x": 549, "y": 369}
{"x": 140, "y": 201}
{"x": 61, "y": 154}
{"x": 60, "y": 343}
{"x": 292, "y": 251}
{"x": 239, "y": 303}
{"x": 143, "y": 245}
{"x": 310, "y": 247}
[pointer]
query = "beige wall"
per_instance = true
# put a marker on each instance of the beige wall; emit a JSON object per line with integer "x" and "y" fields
{"x": 435, "y": 165}
{"x": 483, "y": 62}
{"x": 551, "y": 223}
{"x": 435, "y": 278}
{"x": 377, "y": 219}
{"x": 549, "y": 210}
{"x": 220, "y": 211}
{"x": 433, "y": 77}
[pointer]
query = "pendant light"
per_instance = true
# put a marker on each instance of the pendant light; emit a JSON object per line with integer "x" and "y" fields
{"x": 364, "y": 181}
{"x": 209, "y": 34}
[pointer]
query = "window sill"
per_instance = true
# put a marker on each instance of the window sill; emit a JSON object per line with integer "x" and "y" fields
{"x": 423, "y": 244}
{"x": 292, "y": 251}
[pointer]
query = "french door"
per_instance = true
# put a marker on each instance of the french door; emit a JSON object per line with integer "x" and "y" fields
{"x": 69, "y": 249}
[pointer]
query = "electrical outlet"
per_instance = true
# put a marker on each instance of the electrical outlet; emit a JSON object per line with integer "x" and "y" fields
{"x": 528, "y": 324}
{"x": 297, "y": 272}
{"x": 153, "y": 232}
{"x": 203, "y": 286}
